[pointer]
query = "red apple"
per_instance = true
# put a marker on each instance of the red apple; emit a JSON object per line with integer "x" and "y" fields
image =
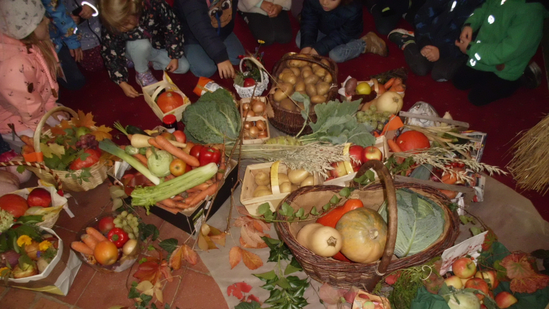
{"x": 489, "y": 276}
{"x": 505, "y": 299}
{"x": 371, "y": 153}
{"x": 454, "y": 281}
{"x": 106, "y": 224}
{"x": 479, "y": 284}
{"x": 464, "y": 267}
{"x": 355, "y": 152}
{"x": 39, "y": 197}
{"x": 339, "y": 169}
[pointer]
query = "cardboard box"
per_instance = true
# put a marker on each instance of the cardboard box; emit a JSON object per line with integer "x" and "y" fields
{"x": 151, "y": 92}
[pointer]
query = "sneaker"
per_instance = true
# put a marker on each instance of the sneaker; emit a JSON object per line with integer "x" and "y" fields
{"x": 129, "y": 63}
{"x": 145, "y": 79}
{"x": 531, "y": 78}
{"x": 374, "y": 45}
{"x": 401, "y": 37}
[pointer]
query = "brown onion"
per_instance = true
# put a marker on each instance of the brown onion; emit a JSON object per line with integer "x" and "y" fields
{"x": 261, "y": 126}
{"x": 249, "y": 113}
{"x": 262, "y": 134}
{"x": 258, "y": 107}
{"x": 245, "y": 106}
{"x": 254, "y": 132}
{"x": 248, "y": 125}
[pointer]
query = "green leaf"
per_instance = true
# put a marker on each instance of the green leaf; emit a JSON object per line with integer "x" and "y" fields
{"x": 133, "y": 291}
{"x": 148, "y": 230}
{"x": 476, "y": 230}
{"x": 327, "y": 206}
{"x": 21, "y": 169}
{"x": 292, "y": 267}
{"x": 345, "y": 192}
{"x": 33, "y": 219}
{"x": 169, "y": 244}
{"x": 283, "y": 283}
{"x": 252, "y": 305}
{"x": 300, "y": 212}
{"x": 286, "y": 210}
{"x": 270, "y": 275}
{"x": 263, "y": 209}
{"x": 334, "y": 200}
{"x": 314, "y": 211}
{"x": 145, "y": 298}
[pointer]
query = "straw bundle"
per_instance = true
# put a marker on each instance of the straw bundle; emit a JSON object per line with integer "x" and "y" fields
{"x": 530, "y": 160}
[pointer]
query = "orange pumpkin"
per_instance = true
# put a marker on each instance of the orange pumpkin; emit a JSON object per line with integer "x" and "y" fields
{"x": 364, "y": 235}
{"x": 411, "y": 140}
{"x": 169, "y": 101}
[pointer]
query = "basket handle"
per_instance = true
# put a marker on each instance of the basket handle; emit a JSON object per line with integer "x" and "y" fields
{"x": 38, "y": 131}
{"x": 256, "y": 62}
{"x": 392, "y": 218}
{"x": 59, "y": 184}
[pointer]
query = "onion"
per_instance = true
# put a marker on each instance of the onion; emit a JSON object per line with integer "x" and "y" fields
{"x": 247, "y": 125}
{"x": 261, "y": 125}
{"x": 9, "y": 257}
{"x": 129, "y": 247}
{"x": 262, "y": 134}
{"x": 250, "y": 113}
{"x": 258, "y": 107}
{"x": 245, "y": 106}
{"x": 254, "y": 132}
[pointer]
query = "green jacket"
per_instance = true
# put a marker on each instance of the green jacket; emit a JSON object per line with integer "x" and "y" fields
{"x": 509, "y": 32}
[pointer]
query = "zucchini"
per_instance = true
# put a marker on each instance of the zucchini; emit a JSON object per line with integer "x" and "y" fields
{"x": 135, "y": 130}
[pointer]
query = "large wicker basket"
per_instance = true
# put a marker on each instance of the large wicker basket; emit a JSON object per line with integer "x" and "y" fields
{"x": 291, "y": 122}
{"x": 366, "y": 276}
{"x": 98, "y": 171}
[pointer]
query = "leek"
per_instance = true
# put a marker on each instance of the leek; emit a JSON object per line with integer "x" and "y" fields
{"x": 110, "y": 147}
{"x": 149, "y": 196}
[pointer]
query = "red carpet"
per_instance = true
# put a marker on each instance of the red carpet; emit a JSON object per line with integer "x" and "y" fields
{"x": 502, "y": 120}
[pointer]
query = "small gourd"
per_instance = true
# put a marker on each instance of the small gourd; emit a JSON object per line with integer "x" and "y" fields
{"x": 168, "y": 101}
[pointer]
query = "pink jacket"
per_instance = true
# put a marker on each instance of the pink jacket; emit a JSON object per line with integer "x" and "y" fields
{"x": 27, "y": 90}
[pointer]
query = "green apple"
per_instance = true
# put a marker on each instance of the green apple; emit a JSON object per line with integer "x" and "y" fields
{"x": 363, "y": 88}
{"x": 82, "y": 131}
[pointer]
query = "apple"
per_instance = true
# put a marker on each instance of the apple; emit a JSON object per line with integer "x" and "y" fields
{"x": 39, "y": 197}
{"x": 371, "y": 153}
{"x": 105, "y": 224}
{"x": 180, "y": 136}
{"x": 178, "y": 167}
{"x": 479, "y": 284}
{"x": 168, "y": 136}
{"x": 248, "y": 82}
{"x": 464, "y": 267}
{"x": 463, "y": 281}
{"x": 355, "y": 152}
{"x": 489, "y": 276}
{"x": 363, "y": 88}
{"x": 338, "y": 169}
{"x": 106, "y": 253}
{"x": 454, "y": 281}
{"x": 505, "y": 299}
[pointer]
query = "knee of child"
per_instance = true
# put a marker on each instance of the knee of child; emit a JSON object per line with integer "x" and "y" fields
{"x": 420, "y": 70}
{"x": 336, "y": 56}
{"x": 203, "y": 70}
{"x": 183, "y": 66}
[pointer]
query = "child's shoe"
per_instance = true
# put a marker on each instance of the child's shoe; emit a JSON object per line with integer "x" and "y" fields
{"x": 129, "y": 63}
{"x": 531, "y": 78}
{"x": 145, "y": 79}
{"x": 374, "y": 44}
{"x": 401, "y": 37}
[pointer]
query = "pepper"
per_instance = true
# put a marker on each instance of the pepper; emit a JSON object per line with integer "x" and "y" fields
{"x": 209, "y": 155}
{"x": 118, "y": 237}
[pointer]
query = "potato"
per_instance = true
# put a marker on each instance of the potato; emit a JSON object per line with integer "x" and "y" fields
{"x": 297, "y": 176}
{"x": 297, "y": 63}
{"x": 311, "y": 79}
{"x": 258, "y": 188}
{"x": 309, "y": 181}
{"x": 285, "y": 187}
{"x": 326, "y": 62}
{"x": 328, "y": 78}
{"x": 289, "y": 77}
{"x": 318, "y": 99}
{"x": 300, "y": 86}
{"x": 306, "y": 71}
{"x": 315, "y": 66}
{"x": 282, "y": 178}
{"x": 284, "y": 90}
{"x": 287, "y": 104}
{"x": 262, "y": 178}
{"x": 321, "y": 72}
{"x": 311, "y": 90}
{"x": 259, "y": 193}
{"x": 322, "y": 88}
{"x": 296, "y": 71}
{"x": 279, "y": 95}
{"x": 286, "y": 70}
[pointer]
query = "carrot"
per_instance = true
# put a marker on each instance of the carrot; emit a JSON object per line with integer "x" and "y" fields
{"x": 182, "y": 205}
{"x": 141, "y": 158}
{"x": 168, "y": 202}
{"x": 190, "y": 197}
{"x": 203, "y": 194}
{"x": 81, "y": 247}
{"x": 89, "y": 241}
{"x": 393, "y": 146}
{"x": 389, "y": 83}
{"x": 153, "y": 143}
{"x": 448, "y": 193}
{"x": 222, "y": 165}
{"x": 27, "y": 140}
{"x": 166, "y": 145}
{"x": 177, "y": 198}
{"x": 95, "y": 234}
{"x": 201, "y": 187}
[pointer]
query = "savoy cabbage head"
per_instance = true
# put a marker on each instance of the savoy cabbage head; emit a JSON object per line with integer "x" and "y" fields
{"x": 213, "y": 119}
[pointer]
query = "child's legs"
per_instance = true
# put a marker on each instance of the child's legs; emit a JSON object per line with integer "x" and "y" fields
{"x": 347, "y": 51}
{"x": 160, "y": 60}
{"x": 466, "y": 77}
{"x": 200, "y": 63}
{"x": 491, "y": 89}
{"x": 417, "y": 63}
{"x": 270, "y": 30}
{"x": 384, "y": 24}
{"x": 74, "y": 78}
{"x": 445, "y": 69}
{"x": 234, "y": 48}
{"x": 139, "y": 52}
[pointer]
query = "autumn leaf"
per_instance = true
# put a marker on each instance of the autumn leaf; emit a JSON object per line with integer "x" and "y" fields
{"x": 524, "y": 279}
{"x": 235, "y": 256}
{"x": 175, "y": 258}
{"x": 84, "y": 120}
{"x": 147, "y": 288}
{"x": 330, "y": 295}
{"x": 251, "y": 231}
{"x": 205, "y": 243}
{"x": 217, "y": 236}
{"x": 259, "y": 246}
{"x": 250, "y": 298}
{"x": 189, "y": 255}
{"x": 251, "y": 260}
{"x": 102, "y": 133}
{"x": 489, "y": 239}
{"x": 152, "y": 270}
{"x": 238, "y": 289}
{"x": 60, "y": 128}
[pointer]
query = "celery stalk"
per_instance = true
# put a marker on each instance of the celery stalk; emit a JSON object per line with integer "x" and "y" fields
{"x": 149, "y": 196}
{"x": 110, "y": 147}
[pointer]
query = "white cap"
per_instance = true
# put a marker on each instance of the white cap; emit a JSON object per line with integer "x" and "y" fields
{"x": 19, "y": 18}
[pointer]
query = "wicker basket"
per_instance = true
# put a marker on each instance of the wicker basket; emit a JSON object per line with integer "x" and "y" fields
{"x": 346, "y": 274}
{"x": 98, "y": 171}
{"x": 55, "y": 210}
{"x": 255, "y": 90}
{"x": 291, "y": 122}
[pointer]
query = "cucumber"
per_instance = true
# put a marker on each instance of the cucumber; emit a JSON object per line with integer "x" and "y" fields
{"x": 135, "y": 130}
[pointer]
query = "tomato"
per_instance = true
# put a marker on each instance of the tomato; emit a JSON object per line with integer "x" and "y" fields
{"x": 39, "y": 197}
{"x": 106, "y": 253}
{"x": 14, "y": 204}
{"x": 248, "y": 82}
{"x": 209, "y": 155}
{"x": 91, "y": 159}
{"x": 195, "y": 151}
{"x": 106, "y": 224}
{"x": 355, "y": 152}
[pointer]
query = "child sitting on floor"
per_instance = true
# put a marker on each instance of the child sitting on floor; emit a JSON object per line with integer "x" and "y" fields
{"x": 333, "y": 27}
{"x": 268, "y": 20}
{"x": 143, "y": 31}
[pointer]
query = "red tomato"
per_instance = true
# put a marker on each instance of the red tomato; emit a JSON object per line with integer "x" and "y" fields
{"x": 39, "y": 197}
{"x": 248, "y": 82}
{"x": 91, "y": 159}
{"x": 14, "y": 204}
{"x": 195, "y": 151}
{"x": 105, "y": 224}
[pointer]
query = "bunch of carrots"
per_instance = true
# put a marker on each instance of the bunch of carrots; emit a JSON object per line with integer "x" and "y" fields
{"x": 89, "y": 240}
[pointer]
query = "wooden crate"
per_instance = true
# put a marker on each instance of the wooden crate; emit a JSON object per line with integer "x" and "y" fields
{"x": 248, "y": 100}
{"x": 257, "y": 140}
{"x": 151, "y": 92}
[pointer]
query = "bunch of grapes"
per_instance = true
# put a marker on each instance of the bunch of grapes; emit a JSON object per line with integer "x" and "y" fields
{"x": 373, "y": 118}
{"x": 129, "y": 223}
{"x": 87, "y": 141}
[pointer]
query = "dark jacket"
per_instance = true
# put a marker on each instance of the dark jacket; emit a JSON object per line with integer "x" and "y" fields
{"x": 439, "y": 23}
{"x": 158, "y": 23}
{"x": 207, "y": 25}
{"x": 340, "y": 25}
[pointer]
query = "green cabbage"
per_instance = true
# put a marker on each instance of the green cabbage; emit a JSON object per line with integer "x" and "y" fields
{"x": 213, "y": 119}
{"x": 420, "y": 222}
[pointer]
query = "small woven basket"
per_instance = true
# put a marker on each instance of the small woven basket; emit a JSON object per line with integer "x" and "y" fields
{"x": 291, "y": 122}
{"x": 257, "y": 89}
{"x": 346, "y": 274}
{"x": 98, "y": 171}
{"x": 50, "y": 221}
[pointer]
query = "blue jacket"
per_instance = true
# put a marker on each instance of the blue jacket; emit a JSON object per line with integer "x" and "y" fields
{"x": 62, "y": 27}
{"x": 439, "y": 23}
{"x": 340, "y": 25}
{"x": 89, "y": 30}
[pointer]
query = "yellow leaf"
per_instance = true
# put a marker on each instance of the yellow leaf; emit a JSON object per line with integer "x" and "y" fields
{"x": 219, "y": 239}
{"x": 251, "y": 260}
{"x": 84, "y": 120}
{"x": 189, "y": 255}
{"x": 145, "y": 287}
{"x": 57, "y": 149}
{"x": 158, "y": 292}
{"x": 175, "y": 258}
{"x": 46, "y": 151}
{"x": 235, "y": 255}
{"x": 102, "y": 133}
{"x": 202, "y": 243}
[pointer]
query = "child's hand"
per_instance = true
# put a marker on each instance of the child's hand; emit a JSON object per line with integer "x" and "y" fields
{"x": 275, "y": 10}
{"x": 77, "y": 54}
{"x": 226, "y": 69}
{"x": 462, "y": 45}
{"x": 306, "y": 50}
{"x": 87, "y": 12}
{"x": 129, "y": 90}
{"x": 313, "y": 52}
{"x": 266, "y": 6}
{"x": 466, "y": 34}
{"x": 173, "y": 65}
{"x": 431, "y": 53}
